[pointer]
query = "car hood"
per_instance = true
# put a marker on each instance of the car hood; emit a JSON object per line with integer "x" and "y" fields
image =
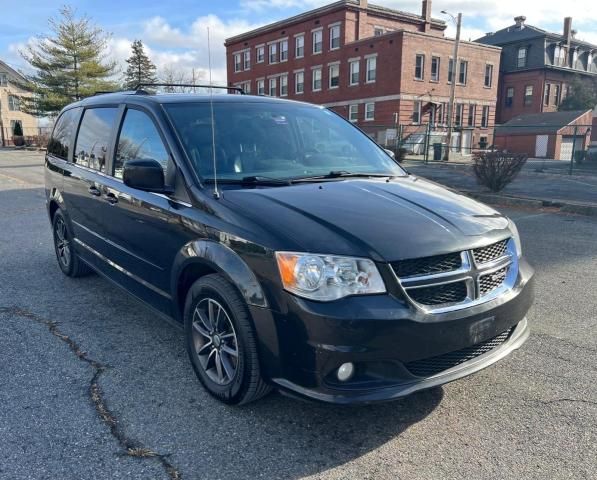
{"x": 406, "y": 217}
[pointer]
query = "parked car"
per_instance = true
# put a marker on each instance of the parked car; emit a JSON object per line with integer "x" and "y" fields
{"x": 325, "y": 271}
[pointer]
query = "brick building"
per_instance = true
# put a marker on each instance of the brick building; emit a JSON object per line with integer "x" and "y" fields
{"x": 537, "y": 66}
{"x": 386, "y": 70}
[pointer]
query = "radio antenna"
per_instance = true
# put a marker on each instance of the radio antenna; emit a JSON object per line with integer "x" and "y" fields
{"x": 213, "y": 127}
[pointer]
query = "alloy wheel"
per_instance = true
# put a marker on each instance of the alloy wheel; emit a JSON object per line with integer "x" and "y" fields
{"x": 62, "y": 243}
{"x": 215, "y": 341}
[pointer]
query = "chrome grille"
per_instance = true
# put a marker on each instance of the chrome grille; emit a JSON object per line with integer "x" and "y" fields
{"x": 434, "y": 365}
{"x": 427, "y": 265}
{"x": 490, "y": 253}
{"x": 458, "y": 280}
{"x": 441, "y": 294}
{"x": 491, "y": 281}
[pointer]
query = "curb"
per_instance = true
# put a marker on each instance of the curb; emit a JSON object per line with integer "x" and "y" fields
{"x": 580, "y": 209}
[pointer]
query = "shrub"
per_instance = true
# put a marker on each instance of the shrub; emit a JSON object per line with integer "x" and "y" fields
{"x": 495, "y": 170}
{"x": 17, "y": 130}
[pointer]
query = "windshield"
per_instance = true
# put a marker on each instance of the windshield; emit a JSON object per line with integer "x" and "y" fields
{"x": 275, "y": 141}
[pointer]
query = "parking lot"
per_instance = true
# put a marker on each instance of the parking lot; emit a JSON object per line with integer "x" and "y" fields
{"x": 93, "y": 385}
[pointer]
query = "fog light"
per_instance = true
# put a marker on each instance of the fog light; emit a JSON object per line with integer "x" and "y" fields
{"x": 345, "y": 372}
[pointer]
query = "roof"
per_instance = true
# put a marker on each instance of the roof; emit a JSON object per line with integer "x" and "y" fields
{"x": 317, "y": 12}
{"x": 513, "y": 33}
{"x": 12, "y": 71}
{"x": 540, "y": 123}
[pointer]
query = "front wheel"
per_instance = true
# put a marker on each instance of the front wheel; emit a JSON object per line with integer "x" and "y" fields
{"x": 221, "y": 342}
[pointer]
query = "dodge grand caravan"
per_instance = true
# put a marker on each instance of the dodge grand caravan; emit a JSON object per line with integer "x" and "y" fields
{"x": 295, "y": 252}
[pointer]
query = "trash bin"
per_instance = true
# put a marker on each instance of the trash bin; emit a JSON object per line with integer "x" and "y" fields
{"x": 438, "y": 152}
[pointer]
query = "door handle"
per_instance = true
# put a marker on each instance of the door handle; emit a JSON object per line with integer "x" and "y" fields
{"x": 94, "y": 191}
{"x": 111, "y": 198}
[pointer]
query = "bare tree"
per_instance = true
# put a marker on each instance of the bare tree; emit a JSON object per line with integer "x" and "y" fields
{"x": 495, "y": 170}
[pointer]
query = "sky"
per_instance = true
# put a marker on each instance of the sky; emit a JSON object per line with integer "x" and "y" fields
{"x": 175, "y": 31}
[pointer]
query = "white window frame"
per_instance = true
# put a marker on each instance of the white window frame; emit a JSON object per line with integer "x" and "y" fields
{"x": 353, "y": 112}
{"x": 284, "y": 85}
{"x": 420, "y": 56}
{"x": 371, "y": 78}
{"x": 459, "y": 115}
{"x": 451, "y": 70}
{"x": 521, "y": 60}
{"x": 471, "y": 108}
{"x": 14, "y": 103}
{"x": 260, "y": 86}
{"x": 247, "y": 60}
{"x": 435, "y": 78}
{"x": 313, "y": 87}
{"x": 238, "y": 65}
{"x": 300, "y": 37}
{"x": 260, "y": 54}
{"x": 272, "y": 86}
{"x": 299, "y": 74}
{"x": 369, "y": 111}
{"x": 335, "y": 33}
{"x": 319, "y": 33}
{"x": 417, "y": 111}
{"x": 485, "y": 117}
{"x": 354, "y": 71}
{"x": 488, "y": 67}
{"x": 462, "y": 62}
{"x": 272, "y": 52}
{"x": 336, "y": 67}
{"x": 283, "y": 49}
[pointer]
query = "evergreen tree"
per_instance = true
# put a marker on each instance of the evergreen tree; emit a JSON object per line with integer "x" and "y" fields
{"x": 140, "y": 68}
{"x": 70, "y": 64}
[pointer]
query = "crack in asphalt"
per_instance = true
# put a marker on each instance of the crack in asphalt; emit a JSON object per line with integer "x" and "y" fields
{"x": 131, "y": 447}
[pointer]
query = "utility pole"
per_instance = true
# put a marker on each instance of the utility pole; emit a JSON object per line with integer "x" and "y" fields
{"x": 458, "y": 21}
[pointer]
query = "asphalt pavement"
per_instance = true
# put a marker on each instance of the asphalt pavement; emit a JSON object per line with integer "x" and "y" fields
{"x": 94, "y": 385}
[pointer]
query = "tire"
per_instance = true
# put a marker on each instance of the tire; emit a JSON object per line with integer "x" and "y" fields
{"x": 218, "y": 329}
{"x": 68, "y": 261}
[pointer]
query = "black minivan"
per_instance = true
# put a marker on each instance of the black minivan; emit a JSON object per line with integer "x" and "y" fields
{"x": 297, "y": 253}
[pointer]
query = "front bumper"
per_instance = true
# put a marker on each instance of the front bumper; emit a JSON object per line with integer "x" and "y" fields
{"x": 302, "y": 347}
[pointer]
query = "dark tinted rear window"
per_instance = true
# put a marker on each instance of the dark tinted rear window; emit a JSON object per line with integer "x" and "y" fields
{"x": 93, "y": 140}
{"x": 63, "y": 133}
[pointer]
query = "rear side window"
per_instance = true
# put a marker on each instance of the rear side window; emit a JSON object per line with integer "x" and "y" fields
{"x": 139, "y": 139}
{"x": 93, "y": 141}
{"x": 63, "y": 133}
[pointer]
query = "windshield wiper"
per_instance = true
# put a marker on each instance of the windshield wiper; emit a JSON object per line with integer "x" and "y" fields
{"x": 342, "y": 174}
{"x": 251, "y": 180}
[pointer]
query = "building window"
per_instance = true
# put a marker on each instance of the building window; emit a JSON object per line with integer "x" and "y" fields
{"x": 316, "y": 79}
{"x": 435, "y": 63}
{"x": 416, "y": 112}
{"x": 471, "y": 116}
{"x": 547, "y": 95}
{"x": 557, "y": 94}
{"x": 353, "y": 113}
{"x": 509, "y": 96}
{"x": 485, "y": 117}
{"x": 334, "y": 72}
{"x": 261, "y": 87}
{"x": 378, "y": 31}
{"x": 528, "y": 95}
{"x": 273, "y": 53}
{"x": 354, "y": 72}
{"x": 559, "y": 56}
{"x": 371, "y": 69}
{"x": 247, "y": 60}
{"x": 272, "y": 87}
{"x": 237, "y": 62}
{"x": 299, "y": 82}
{"x": 14, "y": 103}
{"x": 369, "y": 111}
{"x": 444, "y": 113}
{"x": 521, "y": 60}
{"x": 317, "y": 41}
{"x": 3, "y": 79}
{"x": 459, "y": 114}
{"x": 247, "y": 87}
{"x": 299, "y": 46}
{"x": 284, "y": 85}
{"x": 463, "y": 72}
{"x": 283, "y": 50}
{"x": 488, "y": 75}
{"x": 260, "y": 54}
{"x": 419, "y": 67}
{"x": 334, "y": 37}
{"x": 451, "y": 70}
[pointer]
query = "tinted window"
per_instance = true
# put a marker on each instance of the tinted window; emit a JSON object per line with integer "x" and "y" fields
{"x": 63, "y": 133}
{"x": 93, "y": 141}
{"x": 139, "y": 139}
{"x": 276, "y": 140}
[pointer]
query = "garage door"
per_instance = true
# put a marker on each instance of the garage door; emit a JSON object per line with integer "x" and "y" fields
{"x": 567, "y": 146}
{"x": 541, "y": 146}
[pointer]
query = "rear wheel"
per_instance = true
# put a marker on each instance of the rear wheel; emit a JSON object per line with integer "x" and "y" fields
{"x": 68, "y": 261}
{"x": 221, "y": 341}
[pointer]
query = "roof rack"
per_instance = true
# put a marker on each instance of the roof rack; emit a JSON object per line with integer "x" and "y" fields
{"x": 140, "y": 86}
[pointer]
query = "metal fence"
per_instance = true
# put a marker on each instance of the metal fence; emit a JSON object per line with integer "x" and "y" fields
{"x": 32, "y": 137}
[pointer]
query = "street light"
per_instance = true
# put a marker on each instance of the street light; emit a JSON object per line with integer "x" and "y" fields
{"x": 458, "y": 21}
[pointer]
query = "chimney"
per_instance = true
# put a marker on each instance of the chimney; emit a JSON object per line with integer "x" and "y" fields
{"x": 520, "y": 21}
{"x": 568, "y": 30}
{"x": 363, "y": 27}
{"x": 426, "y": 14}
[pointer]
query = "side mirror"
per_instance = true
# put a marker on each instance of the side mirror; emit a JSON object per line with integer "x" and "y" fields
{"x": 144, "y": 174}
{"x": 390, "y": 152}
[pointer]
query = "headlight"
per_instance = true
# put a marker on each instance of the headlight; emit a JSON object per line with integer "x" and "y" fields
{"x": 328, "y": 277}
{"x": 516, "y": 237}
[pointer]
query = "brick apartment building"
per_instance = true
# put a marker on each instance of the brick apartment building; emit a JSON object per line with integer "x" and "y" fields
{"x": 537, "y": 66}
{"x": 384, "y": 69}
